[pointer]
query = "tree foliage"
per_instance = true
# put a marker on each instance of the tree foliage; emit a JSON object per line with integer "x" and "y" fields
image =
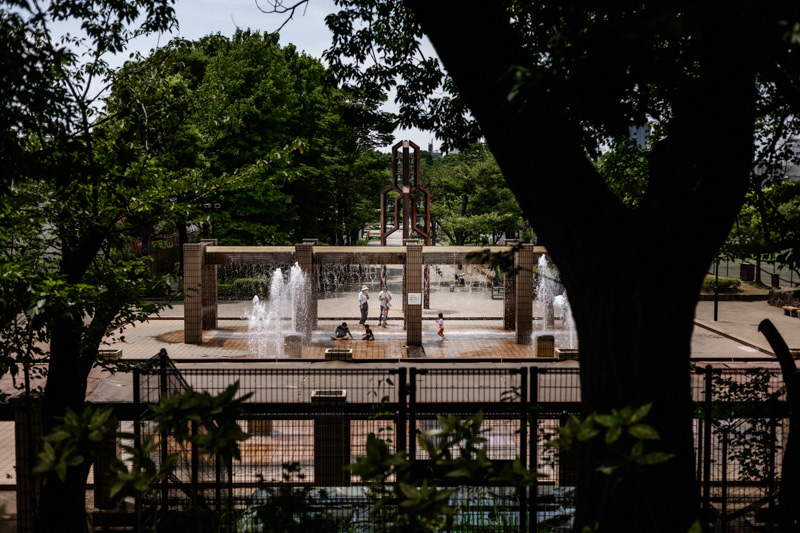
{"x": 214, "y": 119}
{"x": 767, "y": 225}
{"x": 470, "y": 202}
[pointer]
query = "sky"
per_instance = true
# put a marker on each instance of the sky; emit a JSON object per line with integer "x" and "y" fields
{"x": 307, "y": 31}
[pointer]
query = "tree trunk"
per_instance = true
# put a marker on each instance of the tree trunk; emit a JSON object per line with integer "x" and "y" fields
{"x": 634, "y": 325}
{"x": 758, "y": 269}
{"x": 629, "y": 358}
{"x": 62, "y": 505}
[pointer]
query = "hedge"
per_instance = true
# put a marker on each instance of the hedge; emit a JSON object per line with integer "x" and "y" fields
{"x": 724, "y": 284}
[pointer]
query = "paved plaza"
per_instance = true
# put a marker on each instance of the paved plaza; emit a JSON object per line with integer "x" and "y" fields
{"x": 474, "y": 329}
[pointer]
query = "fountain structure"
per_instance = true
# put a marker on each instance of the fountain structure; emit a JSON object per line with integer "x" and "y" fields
{"x": 202, "y": 259}
{"x": 550, "y": 296}
{"x": 276, "y": 325}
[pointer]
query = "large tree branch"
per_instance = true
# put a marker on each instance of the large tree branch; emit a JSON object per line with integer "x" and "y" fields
{"x": 697, "y": 179}
{"x": 554, "y": 178}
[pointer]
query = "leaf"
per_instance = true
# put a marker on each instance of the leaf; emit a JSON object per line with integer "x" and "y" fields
{"x": 463, "y": 472}
{"x": 637, "y": 450}
{"x": 606, "y": 469}
{"x": 654, "y": 458}
{"x": 643, "y": 432}
{"x": 640, "y": 413}
{"x": 613, "y": 434}
{"x": 586, "y": 433}
{"x": 605, "y": 420}
{"x": 409, "y": 491}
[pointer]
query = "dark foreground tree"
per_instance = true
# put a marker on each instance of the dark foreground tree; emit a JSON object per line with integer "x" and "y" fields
{"x": 66, "y": 210}
{"x": 548, "y": 84}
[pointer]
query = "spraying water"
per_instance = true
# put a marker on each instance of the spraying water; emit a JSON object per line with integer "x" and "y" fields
{"x": 285, "y": 313}
{"x": 551, "y": 296}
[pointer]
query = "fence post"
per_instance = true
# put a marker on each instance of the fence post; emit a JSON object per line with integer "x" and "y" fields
{"x": 771, "y": 468}
{"x": 27, "y": 440}
{"x": 412, "y": 413}
{"x": 707, "y": 445}
{"x": 523, "y": 446}
{"x": 163, "y": 391}
{"x": 137, "y": 438}
{"x": 724, "y": 495}
{"x": 195, "y": 458}
{"x": 402, "y": 411}
{"x": 217, "y": 482}
{"x": 534, "y": 444}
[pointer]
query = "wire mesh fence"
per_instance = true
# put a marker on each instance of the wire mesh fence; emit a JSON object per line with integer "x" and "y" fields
{"x": 739, "y": 435}
{"x": 307, "y": 425}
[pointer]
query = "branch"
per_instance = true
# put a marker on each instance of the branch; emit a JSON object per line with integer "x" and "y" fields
{"x": 279, "y": 8}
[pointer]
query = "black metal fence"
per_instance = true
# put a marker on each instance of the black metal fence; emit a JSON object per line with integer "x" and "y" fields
{"x": 319, "y": 419}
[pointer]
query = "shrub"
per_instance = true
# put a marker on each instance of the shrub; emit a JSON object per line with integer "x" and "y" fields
{"x": 226, "y": 290}
{"x": 249, "y": 287}
{"x": 244, "y": 288}
{"x": 724, "y": 284}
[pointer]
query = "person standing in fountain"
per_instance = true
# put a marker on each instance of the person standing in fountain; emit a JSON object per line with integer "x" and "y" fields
{"x": 363, "y": 304}
{"x": 384, "y": 297}
{"x": 342, "y": 332}
{"x": 440, "y": 323}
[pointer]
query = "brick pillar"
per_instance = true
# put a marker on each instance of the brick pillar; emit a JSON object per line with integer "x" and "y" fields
{"x": 509, "y": 301}
{"x": 193, "y": 254}
{"x": 510, "y": 294}
{"x": 426, "y": 283}
{"x": 413, "y": 288}
{"x": 209, "y": 290}
{"x": 27, "y": 440}
{"x": 523, "y": 266}
{"x": 307, "y": 308}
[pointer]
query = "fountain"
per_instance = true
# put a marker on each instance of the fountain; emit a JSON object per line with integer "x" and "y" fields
{"x": 276, "y": 327}
{"x": 550, "y": 296}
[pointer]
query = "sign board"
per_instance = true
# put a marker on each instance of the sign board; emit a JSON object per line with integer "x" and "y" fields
{"x": 414, "y": 298}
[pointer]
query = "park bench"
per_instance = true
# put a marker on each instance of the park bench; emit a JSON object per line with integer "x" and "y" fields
{"x": 790, "y": 310}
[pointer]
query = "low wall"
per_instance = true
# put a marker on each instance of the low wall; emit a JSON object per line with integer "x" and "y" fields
{"x": 781, "y": 297}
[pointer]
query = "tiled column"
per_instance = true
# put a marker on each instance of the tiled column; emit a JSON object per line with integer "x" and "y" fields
{"x": 523, "y": 266}
{"x": 193, "y": 293}
{"x": 307, "y": 307}
{"x": 413, "y": 294}
{"x": 209, "y": 289}
{"x": 509, "y": 300}
{"x": 510, "y": 293}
